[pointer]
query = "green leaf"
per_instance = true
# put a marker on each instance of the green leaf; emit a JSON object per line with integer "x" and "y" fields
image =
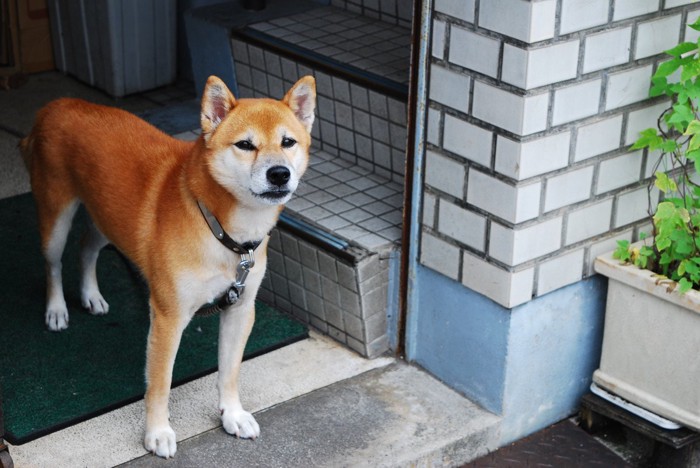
{"x": 646, "y": 138}
{"x": 684, "y": 285}
{"x": 682, "y": 48}
{"x": 664, "y": 183}
{"x": 695, "y": 25}
{"x": 689, "y": 71}
{"x": 681, "y": 113}
{"x": 694, "y": 155}
{"x": 659, "y": 86}
{"x": 693, "y": 128}
{"x": 667, "y": 68}
{"x": 666, "y": 146}
{"x": 622, "y": 251}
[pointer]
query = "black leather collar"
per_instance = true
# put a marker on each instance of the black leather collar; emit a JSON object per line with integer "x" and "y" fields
{"x": 221, "y": 235}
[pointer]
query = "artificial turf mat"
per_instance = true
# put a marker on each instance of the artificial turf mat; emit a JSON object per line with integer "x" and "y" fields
{"x": 52, "y": 380}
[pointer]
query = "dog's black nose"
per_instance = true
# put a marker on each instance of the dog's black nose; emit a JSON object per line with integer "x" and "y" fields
{"x": 278, "y": 175}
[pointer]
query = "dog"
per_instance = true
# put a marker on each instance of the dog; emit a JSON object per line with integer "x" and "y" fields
{"x": 194, "y": 217}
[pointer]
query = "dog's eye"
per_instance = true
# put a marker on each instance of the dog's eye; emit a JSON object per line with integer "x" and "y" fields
{"x": 244, "y": 145}
{"x": 288, "y": 142}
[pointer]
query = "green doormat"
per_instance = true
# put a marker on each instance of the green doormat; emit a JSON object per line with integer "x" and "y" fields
{"x": 53, "y": 380}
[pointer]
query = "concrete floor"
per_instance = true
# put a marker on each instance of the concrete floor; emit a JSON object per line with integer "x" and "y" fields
{"x": 319, "y": 404}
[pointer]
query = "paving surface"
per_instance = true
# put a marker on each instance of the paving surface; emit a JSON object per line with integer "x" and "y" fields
{"x": 393, "y": 416}
{"x": 561, "y": 445}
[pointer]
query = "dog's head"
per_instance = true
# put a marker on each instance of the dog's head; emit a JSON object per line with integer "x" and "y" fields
{"x": 258, "y": 148}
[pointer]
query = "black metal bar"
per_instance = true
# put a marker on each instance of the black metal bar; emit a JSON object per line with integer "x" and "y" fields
{"x": 337, "y": 247}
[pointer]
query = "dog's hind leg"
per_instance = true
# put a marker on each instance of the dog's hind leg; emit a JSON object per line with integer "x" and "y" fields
{"x": 91, "y": 298}
{"x": 54, "y": 226}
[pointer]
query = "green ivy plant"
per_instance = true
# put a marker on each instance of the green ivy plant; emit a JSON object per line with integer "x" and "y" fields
{"x": 675, "y": 250}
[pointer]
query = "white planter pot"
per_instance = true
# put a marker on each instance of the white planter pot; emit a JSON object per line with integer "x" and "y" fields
{"x": 651, "y": 343}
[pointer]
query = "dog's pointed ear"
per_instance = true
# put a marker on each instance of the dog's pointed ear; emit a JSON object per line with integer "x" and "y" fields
{"x": 217, "y": 101}
{"x": 302, "y": 100}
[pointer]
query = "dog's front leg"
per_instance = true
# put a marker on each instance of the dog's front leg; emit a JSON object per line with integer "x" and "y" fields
{"x": 234, "y": 329}
{"x": 164, "y": 336}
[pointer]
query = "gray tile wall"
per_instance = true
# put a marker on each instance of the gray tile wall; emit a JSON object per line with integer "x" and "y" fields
{"x": 347, "y": 301}
{"x": 361, "y": 126}
{"x": 390, "y": 11}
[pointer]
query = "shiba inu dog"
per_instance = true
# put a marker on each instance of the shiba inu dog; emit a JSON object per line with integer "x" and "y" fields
{"x": 192, "y": 216}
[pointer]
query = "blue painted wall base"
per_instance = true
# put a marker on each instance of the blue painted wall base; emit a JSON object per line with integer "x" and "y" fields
{"x": 530, "y": 364}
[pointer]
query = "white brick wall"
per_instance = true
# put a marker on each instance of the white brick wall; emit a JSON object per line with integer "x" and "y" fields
{"x": 643, "y": 118}
{"x": 653, "y": 37}
{"x": 438, "y": 45}
{"x": 467, "y": 140}
{"x": 505, "y": 287}
{"x": 560, "y": 271}
{"x": 444, "y": 174}
{"x": 513, "y": 204}
{"x": 607, "y": 49}
{"x": 632, "y": 206}
{"x": 429, "y": 202}
{"x": 441, "y": 256}
{"x": 474, "y": 51}
{"x": 630, "y": 8}
{"x": 460, "y": 9}
{"x": 521, "y": 160}
{"x": 675, "y": 3}
{"x": 598, "y": 138}
{"x": 576, "y": 102}
{"x": 434, "y": 130}
{"x": 619, "y": 171}
{"x": 514, "y": 247}
{"x": 462, "y": 225}
{"x": 528, "y": 171}
{"x": 524, "y": 20}
{"x": 525, "y": 115}
{"x": 582, "y": 14}
{"x": 628, "y": 87}
{"x": 449, "y": 88}
{"x": 587, "y": 222}
{"x": 568, "y": 188}
{"x": 538, "y": 67}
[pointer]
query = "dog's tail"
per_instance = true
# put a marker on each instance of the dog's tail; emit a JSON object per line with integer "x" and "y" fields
{"x": 26, "y": 146}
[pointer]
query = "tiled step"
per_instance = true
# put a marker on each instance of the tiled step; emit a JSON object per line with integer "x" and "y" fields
{"x": 361, "y": 80}
{"x": 349, "y": 201}
{"x": 344, "y": 291}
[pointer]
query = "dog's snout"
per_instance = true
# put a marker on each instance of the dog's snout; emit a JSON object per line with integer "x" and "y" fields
{"x": 278, "y": 175}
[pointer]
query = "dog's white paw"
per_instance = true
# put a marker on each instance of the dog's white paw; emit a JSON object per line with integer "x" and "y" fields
{"x": 161, "y": 441}
{"x": 240, "y": 424}
{"x": 95, "y": 303}
{"x": 57, "y": 318}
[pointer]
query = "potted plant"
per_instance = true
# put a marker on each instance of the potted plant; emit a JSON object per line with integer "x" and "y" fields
{"x": 651, "y": 342}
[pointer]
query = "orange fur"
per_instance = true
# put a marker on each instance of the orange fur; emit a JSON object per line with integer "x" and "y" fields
{"x": 140, "y": 188}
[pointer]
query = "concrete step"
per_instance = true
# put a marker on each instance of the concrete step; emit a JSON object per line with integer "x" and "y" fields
{"x": 266, "y": 381}
{"x": 392, "y": 416}
{"x": 317, "y": 403}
